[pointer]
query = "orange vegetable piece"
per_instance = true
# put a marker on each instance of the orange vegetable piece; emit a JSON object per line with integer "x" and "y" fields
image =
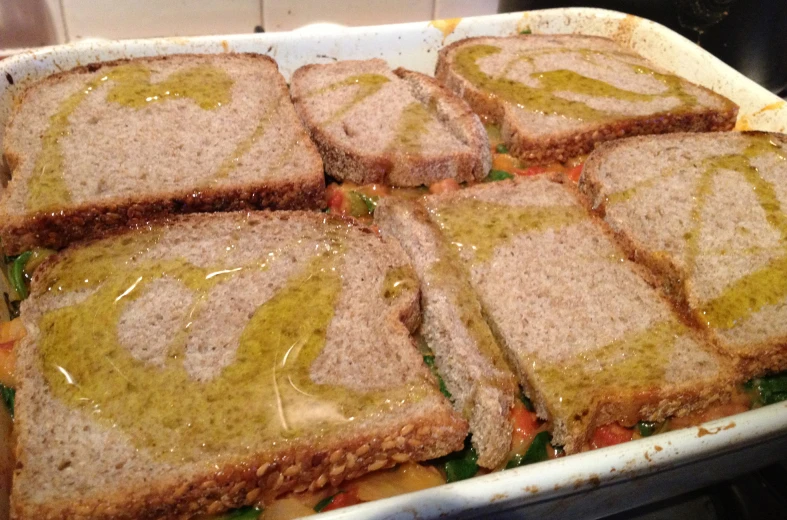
{"x": 610, "y": 435}
{"x": 575, "y": 172}
{"x": 444, "y": 186}
{"x": 531, "y": 170}
{"x": 525, "y": 422}
{"x": 504, "y": 162}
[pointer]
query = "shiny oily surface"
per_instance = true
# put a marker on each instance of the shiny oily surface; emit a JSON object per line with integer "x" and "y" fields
{"x": 636, "y": 362}
{"x": 411, "y": 129}
{"x": 479, "y": 227}
{"x": 545, "y": 97}
{"x": 130, "y": 86}
{"x": 766, "y": 286}
{"x": 164, "y": 411}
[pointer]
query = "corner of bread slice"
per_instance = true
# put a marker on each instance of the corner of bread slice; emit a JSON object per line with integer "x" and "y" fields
{"x": 591, "y": 340}
{"x": 153, "y": 137}
{"x": 401, "y": 128}
{"x": 218, "y": 361}
{"x": 556, "y": 96}
{"x": 467, "y": 356}
{"x": 706, "y": 218}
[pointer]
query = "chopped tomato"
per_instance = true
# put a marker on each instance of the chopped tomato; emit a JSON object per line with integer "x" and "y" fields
{"x": 610, "y": 435}
{"x": 531, "y": 170}
{"x": 525, "y": 421}
{"x": 444, "y": 186}
{"x": 504, "y": 162}
{"x": 575, "y": 172}
{"x": 343, "y": 499}
{"x": 337, "y": 199}
{"x": 11, "y": 331}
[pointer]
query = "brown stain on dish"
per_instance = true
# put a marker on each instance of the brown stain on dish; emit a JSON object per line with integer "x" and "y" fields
{"x": 625, "y": 29}
{"x": 497, "y": 497}
{"x": 743, "y": 124}
{"x": 593, "y": 480}
{"x": 532, "y": 489}
{"x": 225, "y": 45}
{"x": 447, "y": 26}
{"x": 702, "y": 432}
{"x": 657, "y": 448}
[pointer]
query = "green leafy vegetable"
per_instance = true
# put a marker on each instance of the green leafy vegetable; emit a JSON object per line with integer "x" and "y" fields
{"x": 771, "y": 389}
{"x": 17, "y": 274}
{"x": 460, "y": 465}
{"x": 358, "y": 206}
{"x": 371, "y": 202}
{"x": 9, "y": 396}
{"x": 501, "y": 148}
{"x": 525, "y": 401}
{"x": 646, "y": 428}
{"x": 498, "y": 175}
{"x": 244, "y": 513}
{"x": 526, "y": 30}
{"x": 429, "y": 360}
{"x": 325, "y": 502}
{"x": 536, "y": 452}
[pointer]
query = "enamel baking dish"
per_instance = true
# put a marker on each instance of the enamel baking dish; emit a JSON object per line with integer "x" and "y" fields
{"x": 587, "y": 485}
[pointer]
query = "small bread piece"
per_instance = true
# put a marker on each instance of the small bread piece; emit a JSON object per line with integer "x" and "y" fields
{"x": 218, "y": 361}
{"x": 706, "y": 213}
{"x": 591, "y": 341}
{"x": 399, "y": 128}
{"x": 556, "y": 96}
{"x": 117, "y": 144}
{"x": 467, "y": 356}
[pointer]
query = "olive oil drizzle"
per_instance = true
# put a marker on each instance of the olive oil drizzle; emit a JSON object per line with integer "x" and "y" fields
{"x": 399, "y": 280}
{"x": 636, "y": 362}
{"x": 766, "y": 286}
{"x": 243, "y": 147}
{"x": 163, "y": 410}
{"x": 367, "y": 85}
{"x": 479, "y": 227}
{"x": 412, "y": 127}
{"x": 543, "y": 98}
{"x": 208, "y": 86}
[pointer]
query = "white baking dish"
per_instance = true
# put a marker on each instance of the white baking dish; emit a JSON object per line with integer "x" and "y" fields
{"x": 581, "y": 486}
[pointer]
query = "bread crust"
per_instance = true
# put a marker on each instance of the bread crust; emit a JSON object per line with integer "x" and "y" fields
{"x": 308, "y": 463}
{"x": 56, "y": 229}
{"x": 749, "y": 361}
{"x": 565, "y": 145}
{"x": 355, "y": 165}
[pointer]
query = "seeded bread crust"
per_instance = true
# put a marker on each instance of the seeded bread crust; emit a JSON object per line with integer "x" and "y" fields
{"x": 480, "y": 389}
{"x": 353, "y": 162}
{"x": 301, "y": 189}
{"x": 425, "y": 430}
{"x": 563, "y": 145}
{"x": 756, "y": 358}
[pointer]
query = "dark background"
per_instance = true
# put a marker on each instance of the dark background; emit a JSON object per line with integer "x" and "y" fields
{"x": 749, "y": 35}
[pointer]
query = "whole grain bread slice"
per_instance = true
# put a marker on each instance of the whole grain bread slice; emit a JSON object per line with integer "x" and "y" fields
{"x": 591, "y": 341}
{"x": 706, "y": 215}
{"x": 119, "y": 143}
{"x": 467, "y": 356}
{"x": 250, "y": 354}
{"x": 557, "y": 96}
{"x": 401, "y": 128}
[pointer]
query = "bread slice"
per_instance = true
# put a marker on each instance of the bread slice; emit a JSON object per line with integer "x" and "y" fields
{"x": 467, "y": 356}
{"x": 591, "y": 341}
{"x": 556, "y": 96}
{"x": 216, "y": 361}
{"x": 707, "y": 214}
{"x": 400, "y": 128}
{"x": 116, "y": 144}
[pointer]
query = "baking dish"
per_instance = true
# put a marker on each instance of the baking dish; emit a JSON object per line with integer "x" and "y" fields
{"x": 581, "y": 486}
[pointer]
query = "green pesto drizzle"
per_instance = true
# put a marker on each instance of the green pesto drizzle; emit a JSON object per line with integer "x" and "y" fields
{"x": 411, "y": 129}
{"x": 543, "y": 98}
{"x": 766, "y": 286}
{"x": 399, "y": 280}
{"x": 367, "y": 85}
{"x": 208, "y": 86}
{"x": 636, "y": 362}
{"x": 479, "y": 227}
{"x": 243, "y": 147}
{"x": 161, "y": 408}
